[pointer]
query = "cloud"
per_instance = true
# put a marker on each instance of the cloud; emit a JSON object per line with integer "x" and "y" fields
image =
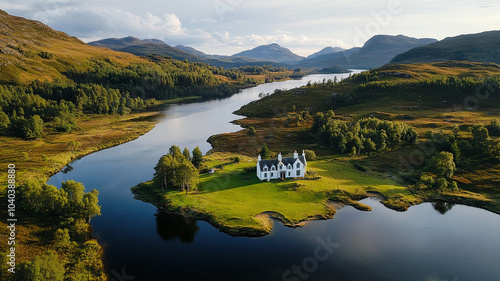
{"x": 304, "y": 27}
{"x": 87, "y": 22}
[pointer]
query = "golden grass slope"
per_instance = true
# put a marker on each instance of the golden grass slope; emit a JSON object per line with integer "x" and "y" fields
{"x": 31, "y": 50}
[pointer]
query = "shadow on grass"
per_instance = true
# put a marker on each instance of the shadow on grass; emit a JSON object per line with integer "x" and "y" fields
{"x": 150, "y": 118}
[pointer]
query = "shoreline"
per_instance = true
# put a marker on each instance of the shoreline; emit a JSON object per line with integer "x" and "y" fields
{"x": 269, "y": 217}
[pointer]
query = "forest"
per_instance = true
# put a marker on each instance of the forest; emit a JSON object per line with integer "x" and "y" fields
{"x": 107, "y": 88}
{"x": 365, "y": 136}
{"x": 369, "y": 86}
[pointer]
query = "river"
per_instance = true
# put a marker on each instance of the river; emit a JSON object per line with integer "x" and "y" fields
{"x": 428, "y": 242}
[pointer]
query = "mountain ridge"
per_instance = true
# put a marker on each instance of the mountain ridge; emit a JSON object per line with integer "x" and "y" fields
{"x": 377, "y": 51}
{"x": 478, "y": 47}
{"x": 272, "y": 52}
{"x": 325, "y": 51}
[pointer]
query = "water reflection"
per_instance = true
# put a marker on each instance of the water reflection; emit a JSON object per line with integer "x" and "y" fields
{"x": 170, "y": 226}
{"x": 442, "y": 207}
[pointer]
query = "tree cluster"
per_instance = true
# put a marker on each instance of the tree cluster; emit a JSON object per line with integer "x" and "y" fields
{"x": 453, "y": 152}
{"x": 74, "y": 255}
{"x": 108, "y": 88}
{"x": 450, "y": 88}
{"x": 70, "y": 201}
{"x": 364, "y": 136}
{"x": 178, "y": 170}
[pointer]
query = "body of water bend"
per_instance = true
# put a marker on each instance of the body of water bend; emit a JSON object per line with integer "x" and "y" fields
{"x": 428, "y": 242}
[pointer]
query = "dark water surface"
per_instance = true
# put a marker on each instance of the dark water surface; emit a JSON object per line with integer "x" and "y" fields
{"x": 428, "y": 242}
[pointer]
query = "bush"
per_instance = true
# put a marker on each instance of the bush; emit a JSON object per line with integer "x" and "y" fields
{"x": 359, "y": 167}
{"x": 252, "y": 169}
{"x": 494, "y": 128}
{"x": 310, "y": 155}
{"x": 251, "y": 132}
{"x": 427, "y": 180}
{"x": 441, "y": 184}
{"x": 453, "y": 186}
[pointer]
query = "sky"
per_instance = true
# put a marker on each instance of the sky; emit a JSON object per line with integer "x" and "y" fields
{"x": 229, "y": 26}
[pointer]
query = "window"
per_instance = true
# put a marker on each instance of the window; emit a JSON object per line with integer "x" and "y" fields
{"x": 265, "y": 169}
{"x": 298, "y": 165}
{"x": 265, "y": 175}
{"x": 273, "y": 168}
{"x": 298, "y": 173}
{"x": 272, "y": 175}
{"x": 289, "y": 174}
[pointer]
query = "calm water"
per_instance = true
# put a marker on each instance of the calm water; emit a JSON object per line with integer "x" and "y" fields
{"x": 420, "y": 244}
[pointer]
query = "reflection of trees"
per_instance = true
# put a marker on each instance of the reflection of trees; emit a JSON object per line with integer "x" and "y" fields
{"x": 170, "y": 226}
{"x": 442, "y": 207}
{"x": 67, "y": 169}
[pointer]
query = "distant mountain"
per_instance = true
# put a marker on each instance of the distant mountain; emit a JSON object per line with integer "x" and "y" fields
{"x": 192, "y": 51}
{"x": 160, "y": 49}
{"x": 272, "y": 52}
{"x": 149, "y": 47}
{"x": 119, "y": 43}
{"x": 480, "y": 47}
{"x": 377, "y": 51}
{"x": 145, "y": 47}
{"x": 326, "y": 51}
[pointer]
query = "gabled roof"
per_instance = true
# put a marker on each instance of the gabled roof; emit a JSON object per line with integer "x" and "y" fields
{"x": 285, "y": 161}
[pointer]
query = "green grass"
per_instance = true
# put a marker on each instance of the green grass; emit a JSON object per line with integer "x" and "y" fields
{"x": 234, "y": 199}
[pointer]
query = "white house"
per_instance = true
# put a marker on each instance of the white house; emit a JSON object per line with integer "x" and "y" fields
{"x": 281, "y": 168}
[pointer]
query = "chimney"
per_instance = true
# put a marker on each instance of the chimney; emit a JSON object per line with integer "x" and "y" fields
{"x": 295, "y": 154}
{"x": 279, "y": 157}
{"x": 259, "y": 158}
{"x": 304, "y": 153}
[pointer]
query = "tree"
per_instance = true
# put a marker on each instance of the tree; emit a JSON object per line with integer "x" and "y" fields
{"x": 443, "y": 164}
{"x": 4, "y": 122}
{"x": 30, "y": 128}
{"x": 441, "y": 184}
{"x": 197, "y": 157}
{"x": 176, "y": 171}
{"x": 186, "y": 154}
{"x": 369, "y": 145}
{"x": 493, "y": 127}
{"x": 75, "y": 192}
{"x": 186, "y": 176}
{"x": 44, "y": 267}
{"x": 62, "y": 238}
{"x": 411, "y": 136}
{"x": 264, "y": 152}
{"x": 91, "y": 207}
{"x": 310, "y": 155}
{"x": 174, "y": 150}
{"x": 251, "y": 131}
{"x": 165, "y": 171}
{"x": 480, "y": 138}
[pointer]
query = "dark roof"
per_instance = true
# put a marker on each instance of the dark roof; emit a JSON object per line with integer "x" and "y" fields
{"x": 284, "y": 160}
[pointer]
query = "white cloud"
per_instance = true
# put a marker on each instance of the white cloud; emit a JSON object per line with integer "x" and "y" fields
{"x": 87, "y": 22}
{"x": 304, "y": 27}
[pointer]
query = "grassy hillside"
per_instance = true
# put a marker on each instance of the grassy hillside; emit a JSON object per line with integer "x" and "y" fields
{"x": 402, "y": 77}
{"x": 30, "y": 50}
{"x": 481, "y": 47}
{"x": 447, "y": 103}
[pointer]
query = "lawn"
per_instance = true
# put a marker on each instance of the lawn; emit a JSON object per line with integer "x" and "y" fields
{"x": 234, "y": 199}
